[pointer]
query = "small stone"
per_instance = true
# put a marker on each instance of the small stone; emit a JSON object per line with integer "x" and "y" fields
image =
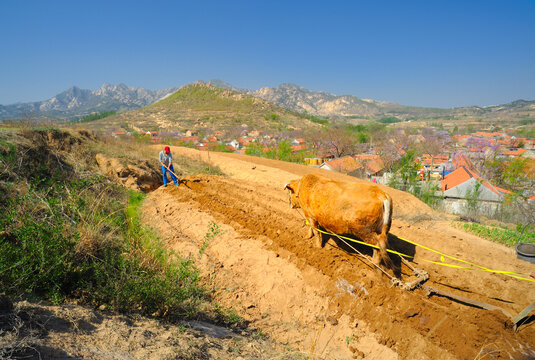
{"x": 332, "y": 320}
{"x": 411, "y": 313}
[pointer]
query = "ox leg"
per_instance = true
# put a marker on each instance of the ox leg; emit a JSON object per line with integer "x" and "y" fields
{"x": 318, "y": 238}
{"x": 381, "y": 254}
{"x": 376, "y": 259}
{"x": 311, "y": 227}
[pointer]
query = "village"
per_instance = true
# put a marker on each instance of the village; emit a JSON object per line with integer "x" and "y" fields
{"x": 453, "y": 168}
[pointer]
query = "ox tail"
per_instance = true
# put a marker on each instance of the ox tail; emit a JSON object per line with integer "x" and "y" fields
{"x": 383, "y": 237}
{"x": 387, "y": 211}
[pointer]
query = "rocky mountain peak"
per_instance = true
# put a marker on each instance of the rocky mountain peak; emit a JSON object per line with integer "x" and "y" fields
{"x": 76, "y": 102}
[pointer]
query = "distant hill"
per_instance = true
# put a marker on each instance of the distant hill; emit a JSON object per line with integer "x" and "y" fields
{"x": 76, "y": 102}
{"x": 299, "y": 99}
{"x": 286, "y": 101}
{"x": 318, "y": 103}
{"x": 202, "y": 105}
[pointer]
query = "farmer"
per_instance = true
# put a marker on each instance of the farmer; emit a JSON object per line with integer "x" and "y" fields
{"x": 166, "y": 159}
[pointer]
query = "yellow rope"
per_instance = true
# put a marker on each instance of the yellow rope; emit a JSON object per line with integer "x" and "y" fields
{"x": 442, "y": 256}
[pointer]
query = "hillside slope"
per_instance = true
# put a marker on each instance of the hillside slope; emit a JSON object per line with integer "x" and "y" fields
{"x": 202, "y": 105}
{"x": 328, "y": 302}
{"x": 70, "y": 236}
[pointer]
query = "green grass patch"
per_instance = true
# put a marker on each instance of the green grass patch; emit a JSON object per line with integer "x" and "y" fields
{"x": 503, "y": 235}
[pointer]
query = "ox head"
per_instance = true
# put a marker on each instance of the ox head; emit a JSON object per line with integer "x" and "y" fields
{"x": 293, "y": 198}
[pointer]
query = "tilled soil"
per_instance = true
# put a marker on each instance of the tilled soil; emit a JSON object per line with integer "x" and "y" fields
{"x": 328, "y": 302}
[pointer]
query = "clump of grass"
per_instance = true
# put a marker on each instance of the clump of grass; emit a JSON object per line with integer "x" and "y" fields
{"x": 228, "y": 316}
{"x": 213, "y": 231}
{"x": 503, "y": 235}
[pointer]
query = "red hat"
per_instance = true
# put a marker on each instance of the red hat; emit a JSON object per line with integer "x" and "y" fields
{"x": 167, "y": 150}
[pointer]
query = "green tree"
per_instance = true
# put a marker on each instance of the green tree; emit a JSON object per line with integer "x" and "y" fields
{"x": 405, "y": 172}
{"x": 284, "y": 150}
{"x": 254, "y": 149}
{"x": 472, "y": 200}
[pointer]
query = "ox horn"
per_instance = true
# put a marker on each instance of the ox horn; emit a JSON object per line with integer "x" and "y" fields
{"x": 287, "y": 186}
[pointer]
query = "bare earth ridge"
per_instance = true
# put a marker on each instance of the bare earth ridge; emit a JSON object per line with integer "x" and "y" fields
{"x": 329, "y": 303}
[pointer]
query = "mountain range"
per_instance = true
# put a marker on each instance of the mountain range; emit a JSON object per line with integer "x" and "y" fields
{"x": 318, "y": 103}
{"x": 75, "y": 102}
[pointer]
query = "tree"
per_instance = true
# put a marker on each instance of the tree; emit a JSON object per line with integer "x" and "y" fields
{"x": 472, "y": 200}
{"x": 376, "y": 131}
{"x": 254, "y": 149}
{"x": 338, "y": 142}
{"x": 405, "y": 172}
{"x": 284, "y": 150}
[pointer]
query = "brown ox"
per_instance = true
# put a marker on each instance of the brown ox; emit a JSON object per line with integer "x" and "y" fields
{"x": 361, "y": 210}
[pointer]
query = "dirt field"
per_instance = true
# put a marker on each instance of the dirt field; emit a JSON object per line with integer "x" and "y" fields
{"x": 329, "y": 303}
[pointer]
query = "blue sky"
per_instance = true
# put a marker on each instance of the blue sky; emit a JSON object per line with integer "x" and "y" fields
{"x": 423, "y": 53}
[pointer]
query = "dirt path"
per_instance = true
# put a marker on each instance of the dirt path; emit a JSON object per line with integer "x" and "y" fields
{"x": 262, "y": 267}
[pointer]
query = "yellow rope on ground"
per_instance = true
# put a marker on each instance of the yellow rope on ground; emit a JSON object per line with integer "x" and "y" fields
{"x": 442, "y": 262}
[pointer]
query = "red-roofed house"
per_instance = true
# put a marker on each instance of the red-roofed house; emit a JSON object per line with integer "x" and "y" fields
{"x": 347, "y": 165}
{"x": 530, "y": 144}
{"x": 463, "y": 181}
{"x": 243, "y": 142}
{"x": 374, "y": 167}
{"x": 463, "y": 184}
{"x": 513, "y": 153}
{"x": 188, "y": 139}
{"x": 373, "y": 164}
{"x": 460, "y": 159}
{"x": 431, "y": 162}
{"x": 296, "y": 148}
